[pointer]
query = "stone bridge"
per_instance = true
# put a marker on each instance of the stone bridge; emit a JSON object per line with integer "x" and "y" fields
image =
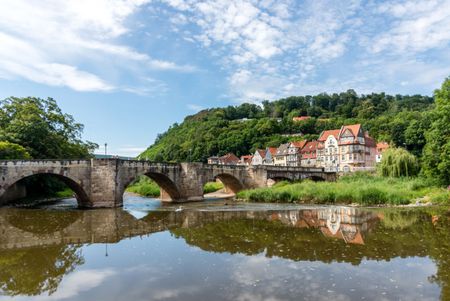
{"x": 102, "y": 182}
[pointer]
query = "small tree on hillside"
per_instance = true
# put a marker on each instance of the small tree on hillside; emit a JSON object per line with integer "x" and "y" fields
{"x": 398, "y": 162}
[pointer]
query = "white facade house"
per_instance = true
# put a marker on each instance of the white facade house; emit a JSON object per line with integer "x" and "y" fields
{"x": 258, "y": 157}
{"x": 328, "y": 151}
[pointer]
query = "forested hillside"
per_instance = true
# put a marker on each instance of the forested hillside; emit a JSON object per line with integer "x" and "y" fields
{"x": 400, "y": 120}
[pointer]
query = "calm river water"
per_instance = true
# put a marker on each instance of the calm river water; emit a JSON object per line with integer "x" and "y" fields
{"x": 215, "y": 251}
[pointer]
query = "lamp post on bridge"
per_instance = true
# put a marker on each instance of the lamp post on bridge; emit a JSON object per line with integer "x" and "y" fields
{"x": 106, "y": 149}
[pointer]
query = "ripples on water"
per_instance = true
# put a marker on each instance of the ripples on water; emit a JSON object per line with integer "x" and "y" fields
{"x": 221, "y": 251}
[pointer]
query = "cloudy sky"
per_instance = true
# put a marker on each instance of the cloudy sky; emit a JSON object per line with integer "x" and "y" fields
{"x": 128, "y": 69}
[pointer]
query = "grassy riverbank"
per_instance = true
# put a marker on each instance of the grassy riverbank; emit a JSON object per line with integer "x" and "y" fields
{"x": 362, "y": 189}
{"x": 144, "y": 186}
{"x": 147, "y": 187}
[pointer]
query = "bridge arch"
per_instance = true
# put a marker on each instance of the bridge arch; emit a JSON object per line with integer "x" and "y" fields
{"x": 168, "y": 189}
{"x": 230, "y": 182}
{"x": 75, "y": 185}
{"x": 315, "y": 178}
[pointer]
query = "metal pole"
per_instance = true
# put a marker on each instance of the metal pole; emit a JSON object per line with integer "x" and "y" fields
{"x": 106, "y": 149}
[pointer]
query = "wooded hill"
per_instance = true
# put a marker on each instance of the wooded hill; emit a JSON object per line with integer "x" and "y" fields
{"x": 401, "y": 120}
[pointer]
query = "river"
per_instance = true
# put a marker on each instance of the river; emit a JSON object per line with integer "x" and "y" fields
{"x": 219, "y": 250}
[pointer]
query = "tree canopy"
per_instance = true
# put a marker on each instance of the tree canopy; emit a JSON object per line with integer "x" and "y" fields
{"x": 42, "y": 129}
{"x": 9, "y": 151}
{"x": 437, "y": 150}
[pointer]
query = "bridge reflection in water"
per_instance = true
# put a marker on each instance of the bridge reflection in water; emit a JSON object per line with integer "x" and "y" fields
{"x": 39, "y": 247}
{"x": 29, "y": 228}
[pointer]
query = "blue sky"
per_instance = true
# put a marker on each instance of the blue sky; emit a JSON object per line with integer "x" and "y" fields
{"x": 129, "y": 69}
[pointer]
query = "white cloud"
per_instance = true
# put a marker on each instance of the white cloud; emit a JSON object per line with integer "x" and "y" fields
{"x": 417, "y": 26}
{"x": 261, "y": 45}
{"x": 271, "y": 49}
{"x": 64, "y": 43}
{"x": 76, "y": 283}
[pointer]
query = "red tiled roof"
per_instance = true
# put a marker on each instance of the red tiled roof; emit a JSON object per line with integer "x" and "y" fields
{"x": 301, "y": 118}
{"x": 272, "y": 150}
{"x": 246, "y": 158}
{"x": 299, "y": 144}
{"x": 382, "y": 146}
{"x": 354, "y": 129}
{"x": 309, "y": 151}
{"x": 325, "y": 134}
{"x": 310, "y": 146}
{"x": 229, "y": 158}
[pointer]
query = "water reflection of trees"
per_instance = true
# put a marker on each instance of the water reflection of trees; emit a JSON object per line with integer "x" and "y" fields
{"x": 402, "y": 234}
{"x": 37, "y": 270}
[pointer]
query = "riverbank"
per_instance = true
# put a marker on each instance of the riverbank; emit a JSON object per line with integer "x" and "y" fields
{"x": 355, "y": 189}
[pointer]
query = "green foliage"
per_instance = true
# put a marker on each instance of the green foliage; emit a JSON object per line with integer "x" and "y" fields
{"x": 42, "y": 129}
{"x": 243, "y": 129}
{"x": 144, "y": 186}
{"x": 10, "y": 151}
{"x": 398, "y": 162}
{"x": 436, "y": 158}
{"x": 28, "y": 272}
{"x": 65, "y": 193}
{"x": 212, "y": 187}
{"x": 361, "y": 189}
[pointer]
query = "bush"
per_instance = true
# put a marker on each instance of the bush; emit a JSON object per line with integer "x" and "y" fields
{"x": 212, "y": 187}
{"x": 144, "y": 186}
{"x": 398, "y": 162}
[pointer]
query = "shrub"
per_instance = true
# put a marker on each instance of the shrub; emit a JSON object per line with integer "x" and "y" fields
{"x": 212, "y": 187}
{"x": 398, "y": 162}
{"x": 144, "y": 186}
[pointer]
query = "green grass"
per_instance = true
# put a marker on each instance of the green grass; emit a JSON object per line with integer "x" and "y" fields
{"x": 362, "y": 189}
{"x": 66, "y": 193}
{"x": 212, "y": 187}
{"x": 144, "y": 186}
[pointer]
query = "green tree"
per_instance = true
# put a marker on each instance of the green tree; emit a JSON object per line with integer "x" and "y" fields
{"x": 42, "y": 128}
{"x": 398, "y": 162}
{"x": 436, "y": 157}
{"x": 9, "y": 151}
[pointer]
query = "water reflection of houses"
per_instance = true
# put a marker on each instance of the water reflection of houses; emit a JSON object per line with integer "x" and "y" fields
{"x": 347, "y": 223}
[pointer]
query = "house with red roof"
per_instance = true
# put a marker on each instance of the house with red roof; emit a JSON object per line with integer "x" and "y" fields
{"x": 228, "y": 159}
{"x": 246, "y": 160}
{"x": 294, "y": 157}
{"x": 328, "y": 150}
{"x": 381, "y": 147}
{"x": 356, "y": 148}
{"x": 270, "y": 154}
{"x": 258, "y": 157}
{"x": 309, "y": 154}
{"x": 300, "y": 118}
{"x": 280, "y": 157}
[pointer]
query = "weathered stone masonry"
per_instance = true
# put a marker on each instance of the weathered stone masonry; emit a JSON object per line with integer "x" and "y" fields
{"x": 102, "y": 182}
